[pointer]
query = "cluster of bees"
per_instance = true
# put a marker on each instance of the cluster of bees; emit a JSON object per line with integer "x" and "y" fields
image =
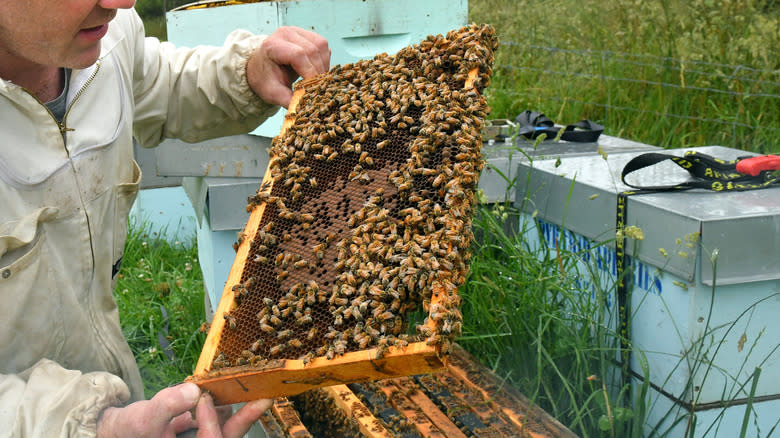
{"x": 322, "y": 416}
{"x": 367, "y": 215}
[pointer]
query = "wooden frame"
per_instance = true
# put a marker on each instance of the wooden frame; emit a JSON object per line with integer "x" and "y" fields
{"x": 285, "y": 377}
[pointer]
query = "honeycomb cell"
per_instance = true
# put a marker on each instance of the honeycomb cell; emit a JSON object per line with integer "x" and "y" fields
{"x": 369, "y": 210}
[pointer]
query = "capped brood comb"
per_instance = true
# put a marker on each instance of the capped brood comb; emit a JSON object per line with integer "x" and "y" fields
{"x": 364, "y": 215}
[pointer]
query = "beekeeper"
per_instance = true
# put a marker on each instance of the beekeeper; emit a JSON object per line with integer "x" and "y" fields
{"x": 78, "y": 82}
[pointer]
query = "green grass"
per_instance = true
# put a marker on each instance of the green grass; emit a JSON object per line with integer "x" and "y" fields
{"x": 671, "y": 74}
{"x": 159, "y": 275}
{"x": 156, "y": 27}
{"x": 523, "y": 305}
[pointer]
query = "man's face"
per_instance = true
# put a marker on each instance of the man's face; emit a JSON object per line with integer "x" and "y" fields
{"x": 54, "y": 33}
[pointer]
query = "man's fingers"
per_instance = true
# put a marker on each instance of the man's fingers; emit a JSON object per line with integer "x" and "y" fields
{"x": 318, "y": 49}
{"x": 238, "y": 425}
{"x": 306, "y": 52}
{"x": 279, "y": 92}
{"x": 183, "y": 423}
{"x": 174, "y": 401}
{"x": 283, "y": 56}
{"x": 208, "y": 421}
{"x": 164, "y": 415}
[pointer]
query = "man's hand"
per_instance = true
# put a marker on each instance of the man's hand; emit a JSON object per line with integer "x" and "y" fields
{"x": 285, "y": 55}
{"x": 168, "y": 413}
{"x": 210, "y": 425}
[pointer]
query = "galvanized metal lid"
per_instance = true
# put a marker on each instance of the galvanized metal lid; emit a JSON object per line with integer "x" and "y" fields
{"x": 742, "y": 229}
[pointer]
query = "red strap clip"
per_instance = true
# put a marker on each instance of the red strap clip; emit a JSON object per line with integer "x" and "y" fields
{"x": 755, "y": 165}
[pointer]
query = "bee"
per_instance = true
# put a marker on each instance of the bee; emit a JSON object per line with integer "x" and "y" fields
{"x": 267, "y": 328}
{"x": 405, "y": 185}
{"x": 231, "y": 320}
{"x": 260, "y": 259}
{"x": 363, "y": 341}
{"x": 256, "y": 345}
{"x": 220, "y": 361}
{"x": 340, "y": 347}
{"x": 311, "y": 334}
{"x": 295, "y": 343}
{"x": 282, "y": 275}
{"x": 307, "y": 357}
{"x": 284, "y": 334}
{"x": 276, "y": 349}
{"x": 386, "y": 316}
{"x": 304, "y": 319}
{"x": 319, "y": 250}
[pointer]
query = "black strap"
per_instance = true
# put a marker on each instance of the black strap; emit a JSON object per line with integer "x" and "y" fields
{"x": 533, "y": 124}
{"x": 583, "y": 131}
{"x": 708, "y": 172}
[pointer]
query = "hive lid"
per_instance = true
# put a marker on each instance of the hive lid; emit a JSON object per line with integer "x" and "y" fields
{"x": 741, "y": 225}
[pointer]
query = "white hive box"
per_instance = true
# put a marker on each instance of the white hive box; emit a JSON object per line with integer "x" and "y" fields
{"x": 703, "y": 327}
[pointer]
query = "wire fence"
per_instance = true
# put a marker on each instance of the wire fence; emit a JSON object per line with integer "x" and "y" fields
{"x": 660, "y": 100}
{"x": 666, "y": 101}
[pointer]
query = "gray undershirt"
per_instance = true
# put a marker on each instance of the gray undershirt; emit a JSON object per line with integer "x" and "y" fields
{"x": 59, "y": 105}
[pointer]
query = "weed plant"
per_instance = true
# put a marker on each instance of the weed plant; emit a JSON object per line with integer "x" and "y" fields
{"x": 160, "y": 296}
{"x": 526, "y": 317}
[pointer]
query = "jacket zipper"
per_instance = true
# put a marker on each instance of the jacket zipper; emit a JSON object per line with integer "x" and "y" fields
{"x": 96, "y": 322}
{"x": 63, "y": 124}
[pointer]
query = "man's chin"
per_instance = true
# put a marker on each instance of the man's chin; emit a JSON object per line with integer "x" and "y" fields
{"x": 85, "y": 59}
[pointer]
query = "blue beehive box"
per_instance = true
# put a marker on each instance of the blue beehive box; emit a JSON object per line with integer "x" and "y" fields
{"x": 706, "y": 282}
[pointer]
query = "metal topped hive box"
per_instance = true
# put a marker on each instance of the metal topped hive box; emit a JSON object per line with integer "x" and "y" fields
{"x": 705, "y": 275}
{"x": 363, "y": 216}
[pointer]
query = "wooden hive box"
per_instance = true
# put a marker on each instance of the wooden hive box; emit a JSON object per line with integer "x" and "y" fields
{"x": 465, "y": 399}
{"x": 363, "y": 216}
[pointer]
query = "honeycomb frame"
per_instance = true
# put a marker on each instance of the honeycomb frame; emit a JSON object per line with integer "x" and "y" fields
{"x": 273, "y": 372}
